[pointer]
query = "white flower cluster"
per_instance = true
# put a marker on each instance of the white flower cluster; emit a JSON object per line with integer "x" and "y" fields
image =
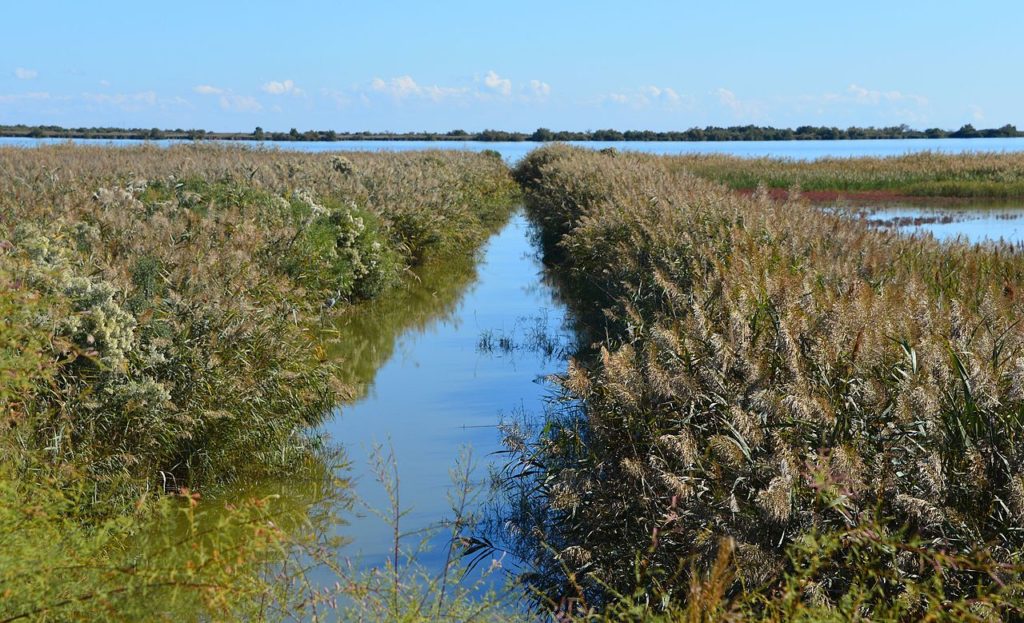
{"x": 304, "y": 196}
{"x": 97, "y": 323}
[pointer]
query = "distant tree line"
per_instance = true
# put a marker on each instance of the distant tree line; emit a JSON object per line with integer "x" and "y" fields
{"x": 710, "y": 133}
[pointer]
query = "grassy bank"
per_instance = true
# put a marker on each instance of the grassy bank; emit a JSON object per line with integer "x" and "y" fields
{"x": 923, "y": 174}
{"x": 785, "y": 415}
{"x": 162, "y": 313}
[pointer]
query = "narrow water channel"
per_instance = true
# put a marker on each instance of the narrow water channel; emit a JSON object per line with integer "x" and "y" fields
{"x": 439, "y": 363}
{"x": 435, "y": 365}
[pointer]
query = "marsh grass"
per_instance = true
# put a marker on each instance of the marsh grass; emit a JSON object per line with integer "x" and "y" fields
{"x": 785, "y": 414}
{"x": 174, "y": 294}
{"x": 925, "y": 174}
{"x": 162, "y": 333}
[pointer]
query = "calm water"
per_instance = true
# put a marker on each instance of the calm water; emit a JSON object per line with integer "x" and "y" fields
{"x": 975, "y": 223}
{"x": 512, "y": 152}
{"x": 435, "y": 390}
{"x": 426, "y": 388}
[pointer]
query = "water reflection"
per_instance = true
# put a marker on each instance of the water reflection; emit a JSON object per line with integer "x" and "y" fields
{"x": 310, "y": 505}
{"x": 434, "y": 391}
{"x": 421, "y": 386}
{"x": 363, "y": 338}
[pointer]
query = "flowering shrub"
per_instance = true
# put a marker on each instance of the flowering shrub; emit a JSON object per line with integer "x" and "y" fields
{"x": 342, "y": 251}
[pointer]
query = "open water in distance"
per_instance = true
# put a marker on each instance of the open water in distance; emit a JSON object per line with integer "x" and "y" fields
{"x": 512, "y": 152}
{"x": 968, "y": 222}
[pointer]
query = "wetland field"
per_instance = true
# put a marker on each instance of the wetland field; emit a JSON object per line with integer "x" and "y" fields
{"x": 240, "y": 383}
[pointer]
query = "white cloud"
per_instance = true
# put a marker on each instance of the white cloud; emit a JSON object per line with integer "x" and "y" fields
{"x": 743, "y": 109}
{"x": 124, "y": 101}
{"x": 285, "y": 87}
{"x": 104, "y": 83}
{"x": 21, "y": 97}
{"x": 340, "y": 98}
{"x": 134, "y": 102}
{"x": 496, "y": 83}
{"x": 858, "y": 105}
{"x": 22, "y": 73}
{"x": 489, "y": 88}
{"x": 400, "y": 87}
{"x": 127, "y": 102}
{"x": 728, "y": 99}
{"x": 240, "y": 103}
{"x": 977, "y": 112}
{"x": 864, "y": 95}
{"x": 230, "y": 101}
{"x": 404, "y": 87}
{"x": 664, "y": 94}
{"x": 647, "y": 96}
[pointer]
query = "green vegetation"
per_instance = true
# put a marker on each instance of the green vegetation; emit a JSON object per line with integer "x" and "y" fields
{"x": 924, "y": 174}
{"x": 161, "y": 334}
{"x": 785, "y": 415}
{"x": 709, "y": 133}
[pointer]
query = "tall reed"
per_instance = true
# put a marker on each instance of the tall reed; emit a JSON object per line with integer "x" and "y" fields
{"x": 832, "y": 410}
{"x": 161, "y": 332}
{"x": 931, "y": 174}
{"x": 177, "y": 294}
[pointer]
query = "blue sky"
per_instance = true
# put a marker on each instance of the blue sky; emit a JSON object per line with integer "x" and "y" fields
{"x": 437, "y": 66}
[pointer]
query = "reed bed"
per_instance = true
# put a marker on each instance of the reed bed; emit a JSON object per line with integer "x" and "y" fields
{"x": 161, "y": 315}
{"x": 785, "y": 415}
{"x": 175, "y": 289}
{"x": 925, "y": 174}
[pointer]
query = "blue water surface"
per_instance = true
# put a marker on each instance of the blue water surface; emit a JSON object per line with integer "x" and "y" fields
{"x": 513, "y": 151}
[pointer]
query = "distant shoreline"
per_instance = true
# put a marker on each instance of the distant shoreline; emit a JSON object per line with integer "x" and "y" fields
{"x": 541, "y": 135}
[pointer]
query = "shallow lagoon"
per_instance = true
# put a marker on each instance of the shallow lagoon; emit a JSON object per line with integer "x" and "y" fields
{"x": 966, "y": 222}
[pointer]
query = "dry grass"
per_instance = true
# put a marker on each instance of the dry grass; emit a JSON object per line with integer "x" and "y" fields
{"x": 842, "y": 405}
{"x": 919, "y": 174}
